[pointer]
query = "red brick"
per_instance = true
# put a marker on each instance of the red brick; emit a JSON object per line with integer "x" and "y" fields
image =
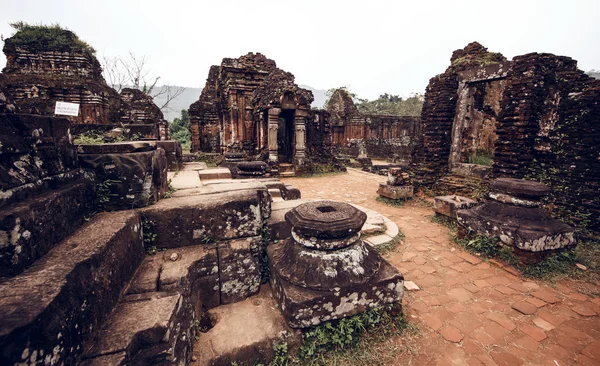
{"x": 505, "y": 290}
{"x": 432, "y": 321}
{"x": 505, "y": 359}
{"x": 499, "y": 280}
{"x": 511, "y": 270}
{"x": 592, "y": 351}
{"x": 483, "y": 265}
{"x": 528, "y": 343}
{"x": 546, "y": 296}
{"x": 469, "y": 258}
{"x": 420, "y": 260}
{"x": 577, "y": 296}
{"x": 536, "y": 302}
{"x": 473, "y": 347}
{"x": 481, "y": 283}
{"x": 428, "y": 269}
{"x": 460, "y": 294}
{"x": 451, "y": 334}
{"x": 558, "y": 351}
{"x": 484, "y": 338}
{"x": 477, "y": 309}
{"x": 431, "y": 301}
{"x": 533, "y": 331}
{"x": 524, "y": 307}
{"x": 503, "y": 320}
{"x": 444, "y": 299}
{"x": 471, "y": 288}
{"x": 583, "y": 310}
{"x": 496, "y": 332}
{"x": 586, "y": 361}
{"x": 466, "y": 323}
{"x": 496, "y": 263}
{"x": 473, "y": 361}
{"x": 553, "y": 318}
{"x": 446, "y": 263}
{"x": 543, "y": 324}
{"x": 456, "y": 308}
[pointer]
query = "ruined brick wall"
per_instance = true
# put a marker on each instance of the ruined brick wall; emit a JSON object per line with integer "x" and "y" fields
{"x": 35, "y": 79}
{"x": 548, "y": 130}
{"x": 318, "y": 137}
{"x": 204, "y": 117}
{"x": 430, "y": 161}
{"x": 138, "y": 107}
{"x": 384, "y": 136}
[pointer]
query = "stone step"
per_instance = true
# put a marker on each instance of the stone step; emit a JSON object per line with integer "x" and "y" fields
{"x": 52, "y": 308}
{"x": 154, "y": 330}
{"x": 202, "y": 219}
{"x": 287, "y": 174}
{"x": 214, "y": 173}
{"x": 186, "y": 179}
{"x": 29, "y": 229}
{"x": 225, "y": 344}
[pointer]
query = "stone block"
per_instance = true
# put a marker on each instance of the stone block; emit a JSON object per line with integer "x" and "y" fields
{"x": 131, "y": 180}
{"x": 395, "y": 192}
{"x": 527, "y": 229}
{"x": 262, "y": 330}
{"x": 239, "y": 268}
{"x": 520, "y": 188}
{"x": 116, "y": 148}
{"x": 186, "y": 179}
{"x": 35, "y": 154}
{"x": 304, "y": 307}
{"x": 29, "y": 229}
{"x": 215, "y": 173}
{"x": 204, "y": 219}
{"x": 157, "y": 330}
{"x": 512, "y": 200}
{"x": 173, "y": 153}
{"x": 53, "y": 307}
{"x": 448, "y": 205}
{"x": 196, "y": 165}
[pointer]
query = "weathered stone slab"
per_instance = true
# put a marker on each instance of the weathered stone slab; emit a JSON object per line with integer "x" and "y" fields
{"x": 448, "y": 205}
{"x": 239, "y": 268}
{"x": 215, "y": 173}
{"x": 520, "y": 188}
{"x": 173, "y": 153}
{"x": 116, "y": 148}
{"x": 196, "y": 165}
{"x": 262, "y": 330}
{"x": 304, "y": 307}
{"x": 529, "y": 229}
{"x": 395, "y": 192}
{"x": 29, "y": 229}
{"x": 186, "y": 179}
{"x": 131, "y": 180}
{"x": 512, "y": 200}
{"x": 197, "y": 220}
{"x": 35, "y": 154}
{"x": 155, "y": 331}
{"x": 194, "y": 273}
{"x": 54, "y": 306}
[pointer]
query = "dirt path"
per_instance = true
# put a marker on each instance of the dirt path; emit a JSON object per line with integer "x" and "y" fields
{"x": 469, "y": 311}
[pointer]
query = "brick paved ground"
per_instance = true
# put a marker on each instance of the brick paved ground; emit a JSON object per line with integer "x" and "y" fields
{"x": 471, "y": 311}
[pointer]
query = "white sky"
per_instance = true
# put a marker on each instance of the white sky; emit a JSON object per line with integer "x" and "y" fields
{"x": 371, "y": 46}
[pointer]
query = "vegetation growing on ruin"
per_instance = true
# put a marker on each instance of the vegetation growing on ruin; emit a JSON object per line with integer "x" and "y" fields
{"x": 481, "y": 59}
{"x": 352, "y": 340}
{"x": 94, "y": 137}
{"x": 390, "y": 246}
{"x": 47, "y": 38}
{"x": 556, "y": 265}
{"x": 481, "y": 158}
{"x": 104, "y": 193}
{"x": 385, "y": 104}
{"x": 388, "y": 201}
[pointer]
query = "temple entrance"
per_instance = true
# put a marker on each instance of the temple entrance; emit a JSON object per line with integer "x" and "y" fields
{"x": 285, "y": 136}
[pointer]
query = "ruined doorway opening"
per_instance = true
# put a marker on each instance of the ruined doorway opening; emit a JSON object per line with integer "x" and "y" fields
{"x": 285, "y": 136}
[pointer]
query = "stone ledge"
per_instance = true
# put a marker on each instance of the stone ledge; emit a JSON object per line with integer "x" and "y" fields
{"x": 48, "y": 309}
{"x": 29, "y": 229}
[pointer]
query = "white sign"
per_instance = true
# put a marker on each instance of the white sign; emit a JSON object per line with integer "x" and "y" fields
{"x": 66, "y": 109}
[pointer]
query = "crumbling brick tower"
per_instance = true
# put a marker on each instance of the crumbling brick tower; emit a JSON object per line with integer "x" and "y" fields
{"x": 45, "y": 64}
{"x": 249, "y": 105}
{"x": 537, "y": 117}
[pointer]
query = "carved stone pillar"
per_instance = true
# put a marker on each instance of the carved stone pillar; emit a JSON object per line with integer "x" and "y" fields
{"x": 273, "y": 126}
{"x": 300, "y": 136}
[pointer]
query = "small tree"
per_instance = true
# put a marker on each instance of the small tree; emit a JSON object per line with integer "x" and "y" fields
{"x": 133, "y": 72}
{"x": 179, "y": 129}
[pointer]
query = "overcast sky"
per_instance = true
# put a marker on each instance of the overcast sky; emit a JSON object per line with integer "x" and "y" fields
{"x": 371, "y": 46}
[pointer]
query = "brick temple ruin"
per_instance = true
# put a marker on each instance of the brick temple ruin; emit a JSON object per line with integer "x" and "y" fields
{"x": 535, "y": 117}
{"x": 376, "y": 136}
{"x": 38, "y": 74}
{"x": 250, "y": 106}
{"x": 122, "y": 254}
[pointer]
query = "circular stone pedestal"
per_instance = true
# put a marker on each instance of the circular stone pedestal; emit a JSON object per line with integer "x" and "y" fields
{"x": 324, "y": 270}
